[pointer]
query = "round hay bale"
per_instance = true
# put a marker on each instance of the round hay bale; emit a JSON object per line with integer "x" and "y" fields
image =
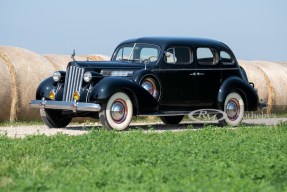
{"x": 6, "y": 90}
{"x": 277, "y": 83}
{"x": 258, "y": 77}
{"x": 271, "y": 81}
{"x": 27, "y": 70}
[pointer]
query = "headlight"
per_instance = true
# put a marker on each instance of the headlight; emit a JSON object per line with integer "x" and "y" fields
{"x": 87, "y": 77}
{"x": 56, "y": 76}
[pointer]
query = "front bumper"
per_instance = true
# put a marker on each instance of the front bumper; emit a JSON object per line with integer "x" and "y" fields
{"x": 63, "y": 105}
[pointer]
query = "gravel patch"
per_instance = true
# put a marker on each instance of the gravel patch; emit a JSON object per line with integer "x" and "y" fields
{"x": 22, "y": 131}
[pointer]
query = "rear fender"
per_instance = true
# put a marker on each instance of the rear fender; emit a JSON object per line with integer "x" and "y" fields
{"x": 242, "y": 87}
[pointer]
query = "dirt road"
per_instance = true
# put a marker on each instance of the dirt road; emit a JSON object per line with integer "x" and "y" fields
{"x": 22, "y": 131}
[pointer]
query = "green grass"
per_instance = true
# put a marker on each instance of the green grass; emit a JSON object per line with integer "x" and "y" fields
{"x": 209, "y": 159}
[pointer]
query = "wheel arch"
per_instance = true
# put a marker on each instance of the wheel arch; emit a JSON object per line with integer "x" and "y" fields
{"x": 133, "y": 98}
{"x": 139, "y": 76}
{"x": 246, "y": 91}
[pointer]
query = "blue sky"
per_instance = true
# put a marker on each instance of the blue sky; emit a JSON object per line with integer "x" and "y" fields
{"x": 255, "y": 29}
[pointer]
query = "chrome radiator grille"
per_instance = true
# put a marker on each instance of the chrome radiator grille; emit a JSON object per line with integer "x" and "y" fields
{"x": 73, "y": 82}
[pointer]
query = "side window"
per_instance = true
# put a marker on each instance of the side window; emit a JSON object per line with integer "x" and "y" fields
{"x": 149, "y": 53}
{"x": 207, "y": 56}
{"x": 178, "y": 55}
{"x": 226, "y": 58}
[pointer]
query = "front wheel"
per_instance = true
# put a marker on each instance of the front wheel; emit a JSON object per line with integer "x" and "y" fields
{"x": 234, "y": 109}
{"x": 117, "y": 113}
{"x": 171, "y": 120}
{"x": 54, "y": 118}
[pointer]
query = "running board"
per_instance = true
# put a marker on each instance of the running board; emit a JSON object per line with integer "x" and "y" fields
{"x": 166, "y": 113}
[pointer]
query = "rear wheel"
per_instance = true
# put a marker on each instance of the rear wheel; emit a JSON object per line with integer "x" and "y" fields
{"x": 54, "y": 118}
{"x": 171, "y": 120}
{"x": 117, "y": 113}
{"x": 234, "y": 109}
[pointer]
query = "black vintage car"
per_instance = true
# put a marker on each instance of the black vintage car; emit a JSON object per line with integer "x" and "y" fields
{"x": 161, "y": 76}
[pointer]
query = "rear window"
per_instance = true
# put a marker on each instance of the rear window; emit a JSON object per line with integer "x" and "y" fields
{"x": 207, "y": 56}
{"x": 178, "y": 55}
{"x": 226, "y": 58}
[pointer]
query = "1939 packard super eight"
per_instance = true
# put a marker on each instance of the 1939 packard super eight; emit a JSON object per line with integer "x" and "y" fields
{"x": 161, "y": 76}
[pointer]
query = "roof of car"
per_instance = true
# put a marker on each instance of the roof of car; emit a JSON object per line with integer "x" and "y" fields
{"x": 167, "y": 41}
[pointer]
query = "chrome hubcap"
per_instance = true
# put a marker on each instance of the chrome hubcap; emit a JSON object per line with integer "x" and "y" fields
{"x": 232, "y": 109}
{"x": 118, "y": 111}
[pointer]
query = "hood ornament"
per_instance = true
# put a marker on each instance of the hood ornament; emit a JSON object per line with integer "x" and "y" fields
{"x": 73, "y": 55}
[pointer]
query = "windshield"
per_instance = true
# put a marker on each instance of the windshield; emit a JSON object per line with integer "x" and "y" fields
{"x": 137, "y": 53}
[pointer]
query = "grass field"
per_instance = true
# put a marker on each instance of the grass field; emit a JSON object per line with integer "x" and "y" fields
{"x": 209, "y": 159}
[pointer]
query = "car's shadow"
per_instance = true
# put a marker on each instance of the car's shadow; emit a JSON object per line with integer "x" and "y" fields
{"x": 156, "y": 126}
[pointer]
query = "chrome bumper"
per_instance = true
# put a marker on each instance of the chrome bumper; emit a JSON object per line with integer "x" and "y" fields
{"x": 63, "y": 105}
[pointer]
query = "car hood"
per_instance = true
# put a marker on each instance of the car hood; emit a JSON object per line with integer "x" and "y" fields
{"x": 97, "y": 66}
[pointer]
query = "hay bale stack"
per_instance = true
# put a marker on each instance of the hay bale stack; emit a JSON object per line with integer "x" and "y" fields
{"x": 26, "y": 70}
{"x": 271, "y": 81}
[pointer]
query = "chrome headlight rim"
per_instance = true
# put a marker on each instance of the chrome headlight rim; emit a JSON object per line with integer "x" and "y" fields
{"x": 87, "y": 77}
{"x": 57, "y": 76}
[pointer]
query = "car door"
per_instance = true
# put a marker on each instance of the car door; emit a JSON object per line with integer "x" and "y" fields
{"x": 178, "y": 86}
{"x": 208, "y": 75}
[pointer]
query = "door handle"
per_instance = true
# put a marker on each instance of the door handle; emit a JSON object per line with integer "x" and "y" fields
{"x": 193, "y": 74}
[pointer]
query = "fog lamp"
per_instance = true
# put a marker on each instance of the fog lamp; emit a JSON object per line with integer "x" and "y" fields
{"x": 52, "y": 95}
{"x": 76, "y": 96}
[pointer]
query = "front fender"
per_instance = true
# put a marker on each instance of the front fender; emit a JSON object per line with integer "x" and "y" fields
{"x": 106, "y": 87}
{"x": 236, "y": 84}
{"x": 44, "y": 88}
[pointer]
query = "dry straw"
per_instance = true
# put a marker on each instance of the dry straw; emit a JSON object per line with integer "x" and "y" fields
{"x": 6, "y": 90}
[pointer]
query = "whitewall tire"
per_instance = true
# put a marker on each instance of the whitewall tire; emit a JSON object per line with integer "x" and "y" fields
{"x": 234, "y": 109}
{"x": 118, "y": 112}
